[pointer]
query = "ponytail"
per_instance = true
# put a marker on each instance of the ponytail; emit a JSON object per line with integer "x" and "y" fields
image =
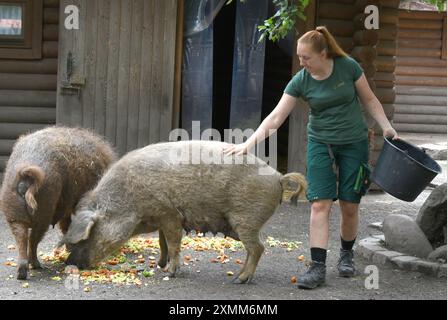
{"x": 321, "y": 39}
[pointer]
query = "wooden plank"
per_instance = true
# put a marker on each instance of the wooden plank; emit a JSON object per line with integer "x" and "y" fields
{"x": 389, "y": 4}
{"x": 385, "y": 95}
{"x": 6, "y": 146}
{"x": 135, "y": 74}
{"x": 28, "y": 114}
{"x": 90, "y": 63}
{"x": 421, "y": 81}
{"x": 178, "y": 65}
{"x": 365, "y": 37}
{"x": 14, "y": 130}
{"x": 50, "y": 32}
{"x": 50, "y": 49}
{"x": 20, "y": 81}
{"x": 421, "y": 128}
{"x": 384, "y": 76}
{"x": 420, "y": 118}
{"x": 420, "y": 109}
{"x": 168, "y": 69}
{"x": 27, "y": 98}
{"x": 421, "y": 91}
{"x": 113, "y": 71}
{"x": 146, "y": 73}
{"x": 123, "y": 76}
{"x": 386, "y": 48}
{"x": 426, "y": 100}
{"x": 364, "y": 53}
{"x": 421, "y": 71}
{"x": 383, "y": 84}
{"x": 100, "y": 103}
{"x": 296, "y": 154}
{"x": 345, "y": 43}
{"x": 388, "y": 32}
{"x": 44, "y": 66}
{"x": 157, "y": 76}
{"x": 388, "y": 16}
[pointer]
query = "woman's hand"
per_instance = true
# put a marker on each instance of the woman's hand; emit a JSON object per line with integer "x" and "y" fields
{"x": 238, "y": 149}
{"x": 390, "y": 133}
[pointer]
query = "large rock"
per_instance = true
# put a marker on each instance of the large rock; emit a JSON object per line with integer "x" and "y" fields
{"x": 439, "y": 253}
{"x": 432, "y": 216}
{"x": 404, "y": 235}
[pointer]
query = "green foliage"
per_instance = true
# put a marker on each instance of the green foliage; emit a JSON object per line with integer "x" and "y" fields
{"x": 440, "y": 4}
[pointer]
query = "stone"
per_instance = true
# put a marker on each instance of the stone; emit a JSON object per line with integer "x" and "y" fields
{"x": 384, "y": 257}
{"x": 404, "y": 235}
{"x": 405, "y": 262}
{"x": 367, "y": 247}
{"x": 442, "y": 271}
{"x": 432, "y": 216}
{"x": 439, "y": 154}
{"x": 426, "y": 267}
{"x": 439, "y": 253}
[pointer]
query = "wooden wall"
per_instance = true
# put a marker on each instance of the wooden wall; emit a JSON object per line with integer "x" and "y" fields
{"x": 28, "y": 87}
{"x": 127, "y": 62}
{"x": 421, "y": 72}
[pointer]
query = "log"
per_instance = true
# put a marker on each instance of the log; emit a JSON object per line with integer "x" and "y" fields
{"x": 27, "y": 98}
{"x": 45, "y": 66}
{"x": 388, "y": 16}
{"x": 345, "y": 43}
{"x": 420, "y": 109}
{"x": 333, "y": 10}
{"x": 51, "y": 15}
{"x": 421, "y": 71}
{"x": 388, "y": 32}
{"x": 50, "y": 32}
{"x": 419, "y": 43}
{"x": 338, "y": 27}
{"x": 385, "y": 76}
{"x": 389, "y": 109}
{"x": 420, "y": 128}
{"x": 385, "y": 64}
{"x": 386, "y": 48}
{"x": 420, "y": 118}
{"x": 421, "y": 62}
{"x": 16, "y": 81}
{"x": 419, "y": 34}
{"x": 364, "y": 54}
{"x": 28, "y": 115}
{"x": 424, "y": 100}
{"x": 384, "y": 84}
{"x": 386, "y": 95}
{"x": 389, "y": 3}
{"x": 421, "y": 91}
{"x": 360, "y": 5}
{"x": 51, "y": 3}
{"x": 14, "y": 130}
{"x": 420, "y": 24}
{"x": 416, "y": 52}
{"x": 49, "y": 49}
{"x": 421, "y": 81}
{"x": 369, "y": 69}
{"x": 366, "y": 37}
{"x": 422, "y": 15}
{"x": 6, "y": 146}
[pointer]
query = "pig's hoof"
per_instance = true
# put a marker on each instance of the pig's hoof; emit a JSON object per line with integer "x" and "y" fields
{"x": 242, "y": 281}
{"x": 36, "y": 265}
{"x": 22, "y": 273}
{"x": 162, "y": 263}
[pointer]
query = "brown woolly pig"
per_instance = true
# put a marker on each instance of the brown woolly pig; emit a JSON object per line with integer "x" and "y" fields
{"x": 46, "y": 175}
{"x": 155, "y": 188}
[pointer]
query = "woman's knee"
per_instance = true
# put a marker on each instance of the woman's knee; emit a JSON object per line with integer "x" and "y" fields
{"x": 321, "y": 206}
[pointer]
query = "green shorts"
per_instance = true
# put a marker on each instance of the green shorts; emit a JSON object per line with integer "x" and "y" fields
{"x": 322, "y": 175}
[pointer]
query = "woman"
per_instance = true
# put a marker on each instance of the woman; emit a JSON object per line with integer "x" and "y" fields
{"x": 332, "y": 83}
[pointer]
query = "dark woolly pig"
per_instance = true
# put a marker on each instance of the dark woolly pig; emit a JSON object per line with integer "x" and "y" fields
{"x": 153, "y": 189}
{"x": 46, "y": 175}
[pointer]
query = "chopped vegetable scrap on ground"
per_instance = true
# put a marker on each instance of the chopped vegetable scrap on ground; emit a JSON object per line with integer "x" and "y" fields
{"x": 137, "y": 259}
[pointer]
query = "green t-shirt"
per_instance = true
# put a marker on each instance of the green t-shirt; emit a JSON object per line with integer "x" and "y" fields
{"x": 335, "y": 113}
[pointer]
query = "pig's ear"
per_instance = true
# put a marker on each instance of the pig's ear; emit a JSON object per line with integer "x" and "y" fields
{"x": 80, "y": 227}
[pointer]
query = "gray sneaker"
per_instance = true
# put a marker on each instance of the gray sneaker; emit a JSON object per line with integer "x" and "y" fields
{"x": 313, "y": 277}
{"x": 346, "y": 267}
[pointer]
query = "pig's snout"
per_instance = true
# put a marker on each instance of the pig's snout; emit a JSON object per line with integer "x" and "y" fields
{"x": 79, "y": 259}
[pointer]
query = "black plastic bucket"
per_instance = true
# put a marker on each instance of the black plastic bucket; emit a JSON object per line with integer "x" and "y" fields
{"x": 404, "y": 170}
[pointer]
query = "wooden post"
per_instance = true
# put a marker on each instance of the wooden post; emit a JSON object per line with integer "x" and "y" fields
{"x": 299, "y": 116}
